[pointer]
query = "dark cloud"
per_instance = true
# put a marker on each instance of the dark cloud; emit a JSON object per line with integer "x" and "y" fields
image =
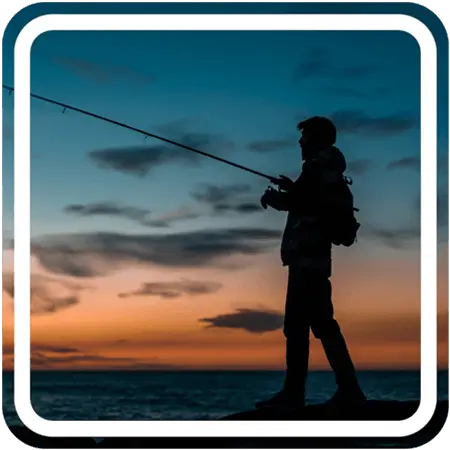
{"x": 175, "y": 289}
{"x": 253, "y": 321}
{"x": 314, "y": 64}
{"x": 409, "y": 235}
{"x": 225, "y": 199}
{"x": 119, "y": 342}
{"x": 96, "y": 254}
{"x": 138, "y": 215}
{"x": 414, "y": 162}
{"x": 48, "y": 295}
{"x": 238, "y": 207}
{"x": 107, "y": 209}
{"x": 442, "y": 206}
{"x": 356, "y": 121}
{"x": 347, "y": 92}
{"x": 102, "y": 73}
{"x": 317, "y": 63}
{"x": 166, "y": 220}
{"x": 271, "y": 145}
{"x": 409, "y": 162}
{"x": 213, "y": 194}
{"x": 42, "y": 348}
{"x": 397, "y": 238}
{"x": 350, "y": 92}
{"x": 139, "y": 161}
{"x": 359, "y": 166}
{"x": 58, "y": 357}
{"x": 53, "y": 349}
{"x": 8, "y": 240}
{"x": 41, "y": 360}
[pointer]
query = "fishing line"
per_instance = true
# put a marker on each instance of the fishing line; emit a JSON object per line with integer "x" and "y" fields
{"x": 66, "y": 106}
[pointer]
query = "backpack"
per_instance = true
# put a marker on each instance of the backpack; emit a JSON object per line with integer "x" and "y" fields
{"x": 342, "y": 225}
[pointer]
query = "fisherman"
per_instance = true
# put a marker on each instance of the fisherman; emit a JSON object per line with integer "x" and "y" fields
{"x": 320, "y": 213}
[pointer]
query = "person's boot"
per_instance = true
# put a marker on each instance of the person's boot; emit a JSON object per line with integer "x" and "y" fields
{"x": 283, "y": 401}
{"x": 349, "y": 391}
{"x": 347, "y": 399}
{"x": 292, "y": 396}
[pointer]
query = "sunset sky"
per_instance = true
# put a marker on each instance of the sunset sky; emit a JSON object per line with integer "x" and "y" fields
{"x": 147, "y": 256}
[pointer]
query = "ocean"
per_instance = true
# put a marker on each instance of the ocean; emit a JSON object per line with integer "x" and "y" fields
{"x": 201, "y": 395}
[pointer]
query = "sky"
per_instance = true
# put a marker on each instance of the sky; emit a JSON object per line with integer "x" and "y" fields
{"x": 146, "y": 256}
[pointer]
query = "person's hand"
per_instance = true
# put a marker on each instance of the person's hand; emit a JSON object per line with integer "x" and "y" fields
{"x": 284, "y": 183}
{"x": 265, "y": 197}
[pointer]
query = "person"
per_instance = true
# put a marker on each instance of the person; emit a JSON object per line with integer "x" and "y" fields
{"x": 306, "y": 251}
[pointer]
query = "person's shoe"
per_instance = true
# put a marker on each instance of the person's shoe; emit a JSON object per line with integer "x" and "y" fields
{"x": 284, "y": 401}
{"x": 347, "y": 399}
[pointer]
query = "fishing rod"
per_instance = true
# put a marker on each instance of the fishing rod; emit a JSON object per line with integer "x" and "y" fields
{"x": 66, "y": 106}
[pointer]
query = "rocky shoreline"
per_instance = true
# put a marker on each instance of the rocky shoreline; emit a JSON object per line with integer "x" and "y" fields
{"x": 373, "y": 410}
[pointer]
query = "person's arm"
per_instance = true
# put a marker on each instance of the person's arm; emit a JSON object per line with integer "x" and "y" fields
{"x": 290, "y": 200}
{"x": 276, "y": 199}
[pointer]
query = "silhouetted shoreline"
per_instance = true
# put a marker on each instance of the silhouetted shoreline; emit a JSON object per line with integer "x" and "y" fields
{"x": 374, "y": 410}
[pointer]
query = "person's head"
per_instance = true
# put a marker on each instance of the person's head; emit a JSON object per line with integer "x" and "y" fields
{"x": 318, "y": 133}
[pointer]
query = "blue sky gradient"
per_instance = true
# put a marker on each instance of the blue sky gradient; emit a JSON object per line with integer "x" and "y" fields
{"x": 238, "y": 95}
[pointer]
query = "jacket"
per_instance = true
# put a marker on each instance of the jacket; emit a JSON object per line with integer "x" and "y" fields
{"x": 308, "y": 202}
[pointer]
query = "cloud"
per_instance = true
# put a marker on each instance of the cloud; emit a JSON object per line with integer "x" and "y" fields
{"x": 314, "y": 64}
{"x": 102, "y": 73}
{"x": 174, "y": 289}
{"x": 356, "y": 121}
{"x": 138, "y": 215}
{"x": 409, "y": 162}
{"x": 222, "y": 199}
{"x": 442, "y": 205}
{"x": 140, "y": 160}
{"x": 166, "y": 220}
{"x": 397, "y": 238}
{"x": 442, "y": 208}
{"x": 346, "y": 92}
{"x": 8, "y": 240}
{"x": 85, "y": 361}
{"x": 97, "y": 254}
{"x": 53, "y": 349}
{"x": 414, "y": 162}
{"x": 409, "y": 235}
{"x": 271, "y": 145}
{"x": 107, "y": 209}
{"x": 253, "y": 321}
{"x": 238, "y": 207}
{"x": 42, "y": 348}
{"x": 317, "y": 63}
{"x": 44, "y": 356}
{"x": 213, "y": 194}
{"x": 48, "y": 295}
{"x": 359, "y": 166}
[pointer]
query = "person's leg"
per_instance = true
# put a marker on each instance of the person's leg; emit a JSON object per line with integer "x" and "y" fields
{"x": 326, "y": 328}
{"x": 296, "y": 331}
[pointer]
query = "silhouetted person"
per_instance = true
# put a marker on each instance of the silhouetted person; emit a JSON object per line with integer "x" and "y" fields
{"x": 316, "y": 204}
